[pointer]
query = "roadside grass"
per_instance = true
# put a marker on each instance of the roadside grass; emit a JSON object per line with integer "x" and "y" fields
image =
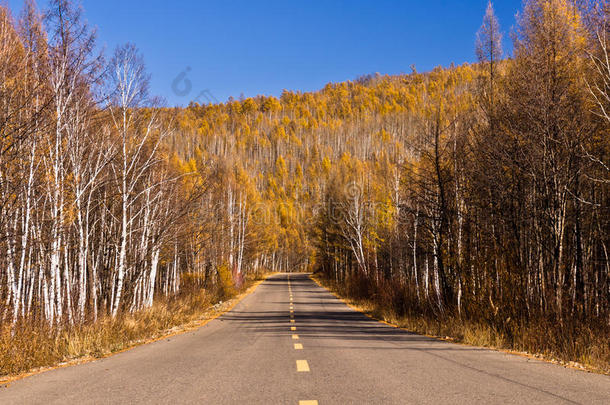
{"x": 27, "y": 348}
{"x": 575, "y": 347}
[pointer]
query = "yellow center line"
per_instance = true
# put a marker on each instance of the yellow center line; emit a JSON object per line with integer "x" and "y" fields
{"x": 295, "y": 337}
{"x": 302, "y": 366}
{"x": 292, "y": 321}
{"x": 308, "y": 402}
{"x": 298, "y": 346}
{"x": 293, "y": 328}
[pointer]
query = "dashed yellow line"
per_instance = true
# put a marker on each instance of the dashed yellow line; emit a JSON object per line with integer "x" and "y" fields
{"x": 302, "y": 366}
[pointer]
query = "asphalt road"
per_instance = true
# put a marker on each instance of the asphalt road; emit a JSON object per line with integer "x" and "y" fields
{"x": 334, "y": 355}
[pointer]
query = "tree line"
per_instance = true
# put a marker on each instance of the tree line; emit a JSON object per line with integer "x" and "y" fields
{"x": 91, "y": 207}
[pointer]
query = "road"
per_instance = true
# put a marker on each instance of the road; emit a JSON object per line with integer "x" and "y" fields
{"x": 262, "y": 353}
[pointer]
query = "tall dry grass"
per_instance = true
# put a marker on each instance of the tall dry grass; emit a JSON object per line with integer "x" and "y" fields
{"x": 571, "y": 344}
{"x": 25, "y": 347}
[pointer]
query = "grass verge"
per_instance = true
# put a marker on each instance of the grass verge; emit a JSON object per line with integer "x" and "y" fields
{"x": 28, "y": 350}
{"x": 590, "y": 352}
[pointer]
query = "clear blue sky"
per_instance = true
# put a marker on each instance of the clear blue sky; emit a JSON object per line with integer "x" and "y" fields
{"x": 261, "y": 47}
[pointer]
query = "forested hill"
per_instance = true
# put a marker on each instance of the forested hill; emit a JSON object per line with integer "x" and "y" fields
{"x": 281, "y": 154}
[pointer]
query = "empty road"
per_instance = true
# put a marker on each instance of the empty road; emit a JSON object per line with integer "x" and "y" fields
{"x": 292, "y": 342}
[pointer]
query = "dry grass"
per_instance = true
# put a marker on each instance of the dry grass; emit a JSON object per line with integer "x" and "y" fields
{"x": 578, "y": 347}
{"x": 27, "y": 347}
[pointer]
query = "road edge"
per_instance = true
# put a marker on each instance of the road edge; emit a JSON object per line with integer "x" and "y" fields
{"x": 214, "y": 311}
{"x": 531, "y": 356}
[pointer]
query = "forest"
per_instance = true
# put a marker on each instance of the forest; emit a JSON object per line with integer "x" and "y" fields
{"x": 472, "y": 201}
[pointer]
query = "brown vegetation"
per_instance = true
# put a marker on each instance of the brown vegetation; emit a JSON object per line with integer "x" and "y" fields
{"x": 582, "y": 348}
{"x": 26, "y": 347}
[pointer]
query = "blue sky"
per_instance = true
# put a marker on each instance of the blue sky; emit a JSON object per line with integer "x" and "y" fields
{"x": 232, "y": 47}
